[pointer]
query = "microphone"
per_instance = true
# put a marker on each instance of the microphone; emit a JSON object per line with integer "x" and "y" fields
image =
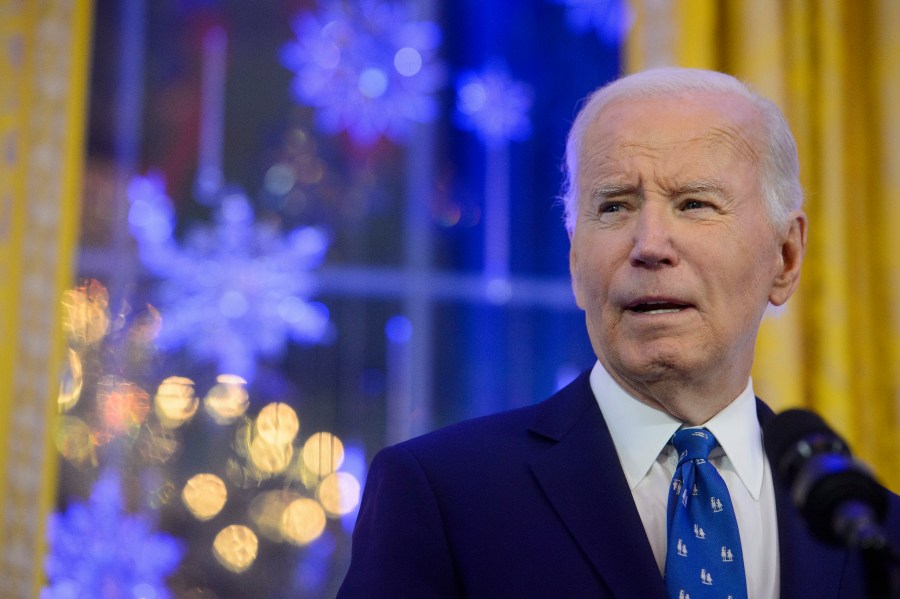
{"x": 836, "y": 494}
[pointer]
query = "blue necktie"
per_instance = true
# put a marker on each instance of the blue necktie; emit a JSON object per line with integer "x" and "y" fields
{"x": 704, "y": 557}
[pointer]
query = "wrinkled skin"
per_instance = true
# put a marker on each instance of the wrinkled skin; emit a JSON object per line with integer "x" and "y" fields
{"x": 674, "y": 257}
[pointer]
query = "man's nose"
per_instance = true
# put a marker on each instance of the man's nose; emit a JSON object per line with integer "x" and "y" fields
{"x": 652, "y": 246}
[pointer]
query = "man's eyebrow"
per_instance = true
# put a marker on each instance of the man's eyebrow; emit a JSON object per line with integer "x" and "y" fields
{"x": 700, "y": 186}
{"x": 611, "y": 190}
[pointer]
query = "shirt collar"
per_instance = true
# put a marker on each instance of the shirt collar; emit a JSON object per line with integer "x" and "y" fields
{"x": 640, "y": 432}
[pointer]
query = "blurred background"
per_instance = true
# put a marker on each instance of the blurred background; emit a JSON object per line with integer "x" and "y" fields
{"x": 246, "y": 245}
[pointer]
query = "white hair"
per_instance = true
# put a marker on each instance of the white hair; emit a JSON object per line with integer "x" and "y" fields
{"x": 779, "y": 168}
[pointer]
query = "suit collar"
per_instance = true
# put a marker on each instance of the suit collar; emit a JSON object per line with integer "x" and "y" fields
{"x": 584, "y": 459}
{"x": 641, "y": 432}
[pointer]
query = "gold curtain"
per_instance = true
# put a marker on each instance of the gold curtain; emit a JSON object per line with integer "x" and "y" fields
{"x": 43, "y": 88}
{"x": 834, "y": 68}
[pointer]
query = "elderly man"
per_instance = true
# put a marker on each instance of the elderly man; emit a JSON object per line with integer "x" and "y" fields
{"x": 646, "y": 476}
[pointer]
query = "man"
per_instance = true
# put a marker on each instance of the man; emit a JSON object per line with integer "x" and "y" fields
{"x": 683, "y": 207}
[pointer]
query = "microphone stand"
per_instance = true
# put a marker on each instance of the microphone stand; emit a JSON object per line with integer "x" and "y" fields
{"x": 882, "y": 572}
{"x": 856, "y": 523}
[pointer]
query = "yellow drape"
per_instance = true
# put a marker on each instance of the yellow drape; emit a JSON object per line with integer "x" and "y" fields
{"x": 834, "y": 68}
{"x": 43, "y": 87}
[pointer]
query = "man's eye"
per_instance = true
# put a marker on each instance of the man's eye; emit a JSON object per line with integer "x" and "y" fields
{"x": 610, "y": 207}
{"x": 693, "y": 205}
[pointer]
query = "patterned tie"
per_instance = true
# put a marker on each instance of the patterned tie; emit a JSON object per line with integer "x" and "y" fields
{"x": 704, "y": 557}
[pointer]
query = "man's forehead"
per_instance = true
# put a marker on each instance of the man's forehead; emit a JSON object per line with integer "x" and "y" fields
{"x": 649, "y": 126}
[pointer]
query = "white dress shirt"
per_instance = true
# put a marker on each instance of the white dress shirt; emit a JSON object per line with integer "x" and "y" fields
{"x": 642, "y": 434}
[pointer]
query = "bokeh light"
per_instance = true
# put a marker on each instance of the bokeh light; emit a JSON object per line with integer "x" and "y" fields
{"x": 277, "y": 423}
{"x": 74, "y": 440}
{"x": 146, "y": 327}
{"x": 71, "y": 381}
{"x": 85, "y": 317}
{"x": 266, "y": 511}
{"x": 228, "y": 399}
{"x": 323, "y": 453}
{"x": 236, "y": 548}
{"x": 369, "y": 68}
{"x": 338, "y": 493}
{"x": 123, "y": 406}
{"x": 303, "y": 521}
{"x": 270, "y": 458}
{"x": 204, "y": 495}
{"x": 175, "y": 402}
{"x": 156, "y": 444}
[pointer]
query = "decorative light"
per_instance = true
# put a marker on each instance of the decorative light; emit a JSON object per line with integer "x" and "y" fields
{"x": 85, "y": 313}
{"x": 338, "y": 493}
{"x": 99, "y": 550}
{"x": 270, "y": 458}
{"x": 303, "y": 521}
{"x": 204, "y": 495}
{"x": 175, "y": 402}
{"x": 71, "y": 381}
{"x": 236, "y": 547}
{"x": 277, "y": 423}
{"x": 368, "y": 68}
{"x": 74, "y": 440}
{"x": 493, "y": 105}
{"x": 610, "y": 19}
{"x": 231, "y": 292}
{"x": 123, "y": 406}
{"x": 323, "y": 453}
{"x": 227, "y": 400}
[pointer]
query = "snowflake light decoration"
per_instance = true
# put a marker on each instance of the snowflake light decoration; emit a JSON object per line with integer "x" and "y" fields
{"x": 367, "y": 67}
{"x": 493, "y": 105}
{"x": 233, "y": 291}
{"x": 99, "y": 550}
{"x": 610, "y": 19}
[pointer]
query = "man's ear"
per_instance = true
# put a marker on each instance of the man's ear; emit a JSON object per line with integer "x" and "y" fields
{"x": 792, "y": 248}
{"x": 573, "y": 270}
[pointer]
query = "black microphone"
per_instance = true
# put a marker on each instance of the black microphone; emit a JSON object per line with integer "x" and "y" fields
{"x": 837, "y": 495}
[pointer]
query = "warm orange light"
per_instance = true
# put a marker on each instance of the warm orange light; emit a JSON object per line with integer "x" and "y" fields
{"x": 338, "y": 493}
{"x": 277, "y": 423}
{"x": 123, "y": 406}
{"x": 303, "y": 521}
{"x": 266, "y": 510}
{"x": 71, "y": 382}
{"x": 146, "y": 327}
{"x": 235, "y": 547}
{"x": 269, "y": 458}
{"x": 175, "y": 402}
{"x": 204, "y": 495}
{"x": 74, "y": 440}
{"x": 85, "y": 314}
{"x": 323, "y": 453}
{"x": 227, "y": 400}
{"x": 156, "y": 443}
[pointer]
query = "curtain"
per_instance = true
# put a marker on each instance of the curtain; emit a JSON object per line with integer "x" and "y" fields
{"x": 43, "y": 69}
{"x": 834, "y": 68}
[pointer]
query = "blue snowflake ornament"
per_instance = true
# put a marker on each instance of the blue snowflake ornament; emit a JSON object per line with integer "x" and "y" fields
{"x": 367, "y": 67}
{"x": 98, "y": 550}
{"x": 610, "y": 19}
{"x": 233, "y": 291}
{"x": 494, "y": 105}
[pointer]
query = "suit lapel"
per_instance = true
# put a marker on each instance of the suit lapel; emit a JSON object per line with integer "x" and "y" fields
{"x": 809, "y": 568}
{"x": 583, "y": 480}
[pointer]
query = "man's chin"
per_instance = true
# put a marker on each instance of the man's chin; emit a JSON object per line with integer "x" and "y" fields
{"x": 653, "y": 364}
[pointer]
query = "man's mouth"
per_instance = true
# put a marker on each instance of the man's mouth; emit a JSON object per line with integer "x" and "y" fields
{"x": 656, "y": 306}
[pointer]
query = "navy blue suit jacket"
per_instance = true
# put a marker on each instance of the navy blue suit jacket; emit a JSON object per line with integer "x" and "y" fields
{"x": 534, "y": 503}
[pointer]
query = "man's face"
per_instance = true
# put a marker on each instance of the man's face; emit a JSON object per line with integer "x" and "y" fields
{"x": 673, "y": 256}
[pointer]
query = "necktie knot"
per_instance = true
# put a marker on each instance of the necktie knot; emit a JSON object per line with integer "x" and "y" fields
{"x": 693, "y": 444}
{"x": 704, "y": 558}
